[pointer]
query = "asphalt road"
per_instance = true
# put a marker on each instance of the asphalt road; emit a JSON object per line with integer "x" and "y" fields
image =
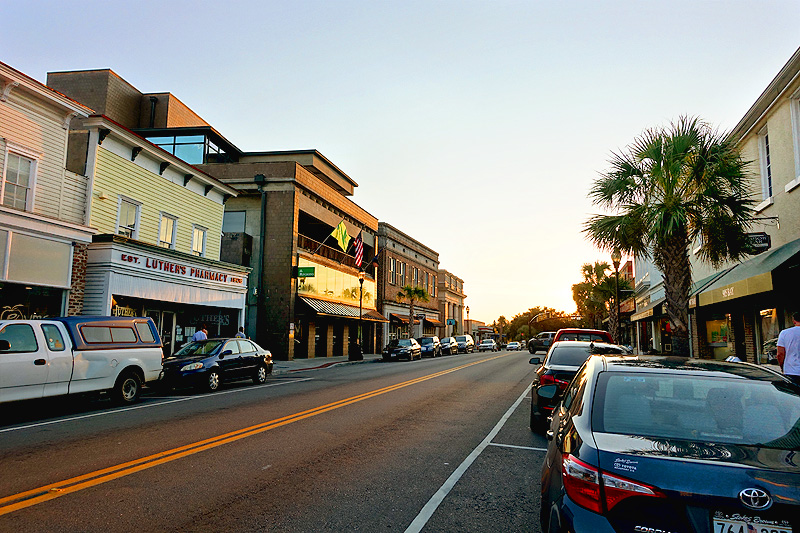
{"x": 434, "y": 445}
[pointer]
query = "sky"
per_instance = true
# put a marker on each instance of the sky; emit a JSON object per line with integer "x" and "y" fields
{"x": 476, "y": 127}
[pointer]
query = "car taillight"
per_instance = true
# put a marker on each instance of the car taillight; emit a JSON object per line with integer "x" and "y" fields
{"x": 583, "y": 484}
{"x": 547, "y": 379}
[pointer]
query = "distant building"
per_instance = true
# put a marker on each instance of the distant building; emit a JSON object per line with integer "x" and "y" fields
{"x": 406, "y": 261}
{"x": 451, "y": 302}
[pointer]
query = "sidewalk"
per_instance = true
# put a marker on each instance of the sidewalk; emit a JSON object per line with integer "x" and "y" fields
{"x": 299, "y": 365}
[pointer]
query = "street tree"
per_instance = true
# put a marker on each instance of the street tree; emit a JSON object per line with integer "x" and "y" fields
{"x": 675, "y": 187}
{"x": 412, "y": 295}
{"x": 589, "y": 299}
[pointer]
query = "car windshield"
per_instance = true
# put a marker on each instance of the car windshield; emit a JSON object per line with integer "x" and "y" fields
{"x": 487, "y": 342}
{"x": 426, "y": 340}
{"x": 199, "y": 347}
{"x": 461, "y": 339}
{"x": 698, "y": 408}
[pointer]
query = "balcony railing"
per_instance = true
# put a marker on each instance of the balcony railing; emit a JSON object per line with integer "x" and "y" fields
{"x": 327, "y": 252}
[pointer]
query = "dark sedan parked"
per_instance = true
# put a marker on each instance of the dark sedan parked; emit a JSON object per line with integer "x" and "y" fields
{"x": 449, "y": 346}
{"x": 560, "y": 364}
{"x": 431, "y": 346}
{"x": 673, "y": 444}
{"x": 206, "y": 364}
{"x": 402, "y": 349}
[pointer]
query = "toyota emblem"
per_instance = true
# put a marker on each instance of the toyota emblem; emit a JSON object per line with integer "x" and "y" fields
{"x": 755, "y": 498}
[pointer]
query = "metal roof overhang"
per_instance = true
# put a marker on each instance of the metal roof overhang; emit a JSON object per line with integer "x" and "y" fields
{"x": 402, "y": 319}
{"x": 326, "y": 308}
{"x": 433, "y": 322}
{"x": 753, "y": 276}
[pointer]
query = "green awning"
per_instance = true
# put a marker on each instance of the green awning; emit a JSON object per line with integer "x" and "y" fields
{"x": 753, "y": 276}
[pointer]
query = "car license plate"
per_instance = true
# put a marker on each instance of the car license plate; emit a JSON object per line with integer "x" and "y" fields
{"x": 748, "y": 525}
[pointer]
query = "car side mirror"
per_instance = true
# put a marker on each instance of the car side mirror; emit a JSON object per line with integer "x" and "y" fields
{"x": 226, "y": 352}
{"x": 4, "y": 345}
{"x": 547, "y": 391}
{"x": 535, "y": 361}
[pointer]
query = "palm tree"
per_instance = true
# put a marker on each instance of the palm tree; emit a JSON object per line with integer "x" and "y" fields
{"x": 673, "y": 188}
{"x": 590, "y": 302}
{"x": 412, "y": 294}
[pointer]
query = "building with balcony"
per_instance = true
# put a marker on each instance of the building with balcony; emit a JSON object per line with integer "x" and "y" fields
{"x": 403, "y": 261}
{"x": 44, "y": 229}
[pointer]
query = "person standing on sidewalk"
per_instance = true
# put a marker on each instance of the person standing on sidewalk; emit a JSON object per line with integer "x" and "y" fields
{"x": 240, "y": 334}
{"x": 789, "y": 350}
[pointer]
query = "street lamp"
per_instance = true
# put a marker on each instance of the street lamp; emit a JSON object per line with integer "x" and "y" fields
{"x": 616, "y": 257}
{"x": 360, "y": 308}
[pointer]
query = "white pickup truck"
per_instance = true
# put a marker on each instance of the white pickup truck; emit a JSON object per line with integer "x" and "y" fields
{"x": 78, "y": 354}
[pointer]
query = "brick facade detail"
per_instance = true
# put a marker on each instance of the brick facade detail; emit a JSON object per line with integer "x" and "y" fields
{"x": 80, "y": 254}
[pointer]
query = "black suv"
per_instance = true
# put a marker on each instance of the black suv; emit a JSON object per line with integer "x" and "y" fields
{"x": 542, "y": 341}
{"x": 465, "y": 343}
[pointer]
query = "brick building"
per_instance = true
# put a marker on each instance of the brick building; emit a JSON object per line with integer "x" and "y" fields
{"x": 451, "y": 303}
{"x": 405, "y": 261}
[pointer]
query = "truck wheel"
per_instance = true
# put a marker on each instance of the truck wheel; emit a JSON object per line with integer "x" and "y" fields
{"x": 127, "y": 388}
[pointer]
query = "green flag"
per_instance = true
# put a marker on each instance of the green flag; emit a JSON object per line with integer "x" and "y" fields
{"x": 340, "y": 234}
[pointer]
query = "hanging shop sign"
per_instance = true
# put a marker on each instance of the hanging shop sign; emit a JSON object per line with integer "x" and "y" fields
{"x": 305, "y": 272}
{"x": 759, "y": 242}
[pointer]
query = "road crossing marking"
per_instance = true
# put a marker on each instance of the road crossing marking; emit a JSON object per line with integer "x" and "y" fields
{"x": 22, "y": 500}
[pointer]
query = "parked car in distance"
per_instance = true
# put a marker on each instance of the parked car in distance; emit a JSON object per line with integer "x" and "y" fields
{"x": 430, "y": 346}
{"x": 575, "y": 334}
{"x": 487, "y": 345}
{"x": 207, "y": 364}
{"x": 513, "y": 346}
{"x": 449, "y": 346}
{"x": 559, "y": 367}
{"x": 78, "y": 354}
{"x": 541, "y": 342}
{"x": 673, "y": 444}
{"x": 466, "y": 343}
{"x": 402, "y": 349}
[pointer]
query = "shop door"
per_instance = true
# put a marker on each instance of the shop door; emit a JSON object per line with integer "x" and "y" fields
{"x": 165, "y": 323}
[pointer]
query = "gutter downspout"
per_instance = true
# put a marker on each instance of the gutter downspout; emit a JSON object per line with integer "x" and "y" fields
{"x": 261, "y": 331}
{"x": 91, "y": 164}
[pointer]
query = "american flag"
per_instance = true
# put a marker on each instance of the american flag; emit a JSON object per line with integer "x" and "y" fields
{"x": 359, "y": 250}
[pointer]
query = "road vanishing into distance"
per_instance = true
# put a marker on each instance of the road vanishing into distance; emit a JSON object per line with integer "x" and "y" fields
{"x": 433, "y": 445}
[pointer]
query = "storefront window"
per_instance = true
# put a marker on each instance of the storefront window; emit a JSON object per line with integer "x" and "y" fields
{"x": 767, "y": 322}
{"x": 335, "y": 285}
{"x": 21, "y": 302}
{"x": 718, "y": 336}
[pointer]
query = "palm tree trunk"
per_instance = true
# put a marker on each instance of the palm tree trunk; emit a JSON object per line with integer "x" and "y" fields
{"x": 677, "y": 271}
{"x": 411, "y": 318}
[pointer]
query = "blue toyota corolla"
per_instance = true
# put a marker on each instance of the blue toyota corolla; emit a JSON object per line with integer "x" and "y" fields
{"x": 667, "y": 444}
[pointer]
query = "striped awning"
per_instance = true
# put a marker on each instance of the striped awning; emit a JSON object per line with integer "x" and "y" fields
{"x": 326, "y": 308}
{"x": 434, "y": 322}
{"x": 400, "y": 318}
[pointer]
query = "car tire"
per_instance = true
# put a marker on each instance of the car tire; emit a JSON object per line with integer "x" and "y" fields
{"x": 127, "y": 388}
{"x": 213, "y": 380}
{"x": 387, "y": 358}
{"x": 260, "y": 376}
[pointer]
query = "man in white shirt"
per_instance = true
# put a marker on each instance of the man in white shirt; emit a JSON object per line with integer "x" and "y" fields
{"x": 789, "y": 350}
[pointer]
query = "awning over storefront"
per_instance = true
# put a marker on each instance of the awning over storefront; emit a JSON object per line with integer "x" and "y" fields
{"x": 326, "y": 308}
{"x": 400, "y": 318}
{"x": 753, "y": 276}
{"x": 700, "y": 286}
{"x": 433, "y": 322}
{"x": 653, "y": 308}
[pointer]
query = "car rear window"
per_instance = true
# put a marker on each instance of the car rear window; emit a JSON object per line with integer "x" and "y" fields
{"x": 698, "y": 408}
{"x": 586, "y": 337}
{"x": 569, "y": 355}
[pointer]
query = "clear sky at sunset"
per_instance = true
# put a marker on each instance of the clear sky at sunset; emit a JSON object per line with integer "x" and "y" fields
{"x": 475, "y": 127}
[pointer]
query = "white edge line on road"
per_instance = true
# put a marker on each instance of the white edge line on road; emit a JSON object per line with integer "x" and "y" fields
{"x": 430, "y": 507}
{"x": 518, "y": 447}
{"x": 147, "y": 405}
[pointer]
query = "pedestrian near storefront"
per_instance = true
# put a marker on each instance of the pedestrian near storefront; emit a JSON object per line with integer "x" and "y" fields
{"x": 201, "y": 334}
{"x": 240, "y": 334}
{"x": 789, "y": 350}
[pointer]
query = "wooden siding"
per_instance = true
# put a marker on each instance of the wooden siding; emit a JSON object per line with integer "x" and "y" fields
{"x": 115, "y": 176}
{"x": 28, "y": 123}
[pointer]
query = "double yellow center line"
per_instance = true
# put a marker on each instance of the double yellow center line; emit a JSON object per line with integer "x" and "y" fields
{"x": 29, "y": 498}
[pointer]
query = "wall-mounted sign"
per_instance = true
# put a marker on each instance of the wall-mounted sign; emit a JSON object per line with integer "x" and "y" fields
{"x": 759, "y": 242}
{"x": 305, "y": 272}
{"x": 451, "y": 321}
{"x": 153, "y": 264}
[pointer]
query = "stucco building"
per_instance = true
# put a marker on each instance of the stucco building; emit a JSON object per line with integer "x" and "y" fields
{"x": 451, "y": 303}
